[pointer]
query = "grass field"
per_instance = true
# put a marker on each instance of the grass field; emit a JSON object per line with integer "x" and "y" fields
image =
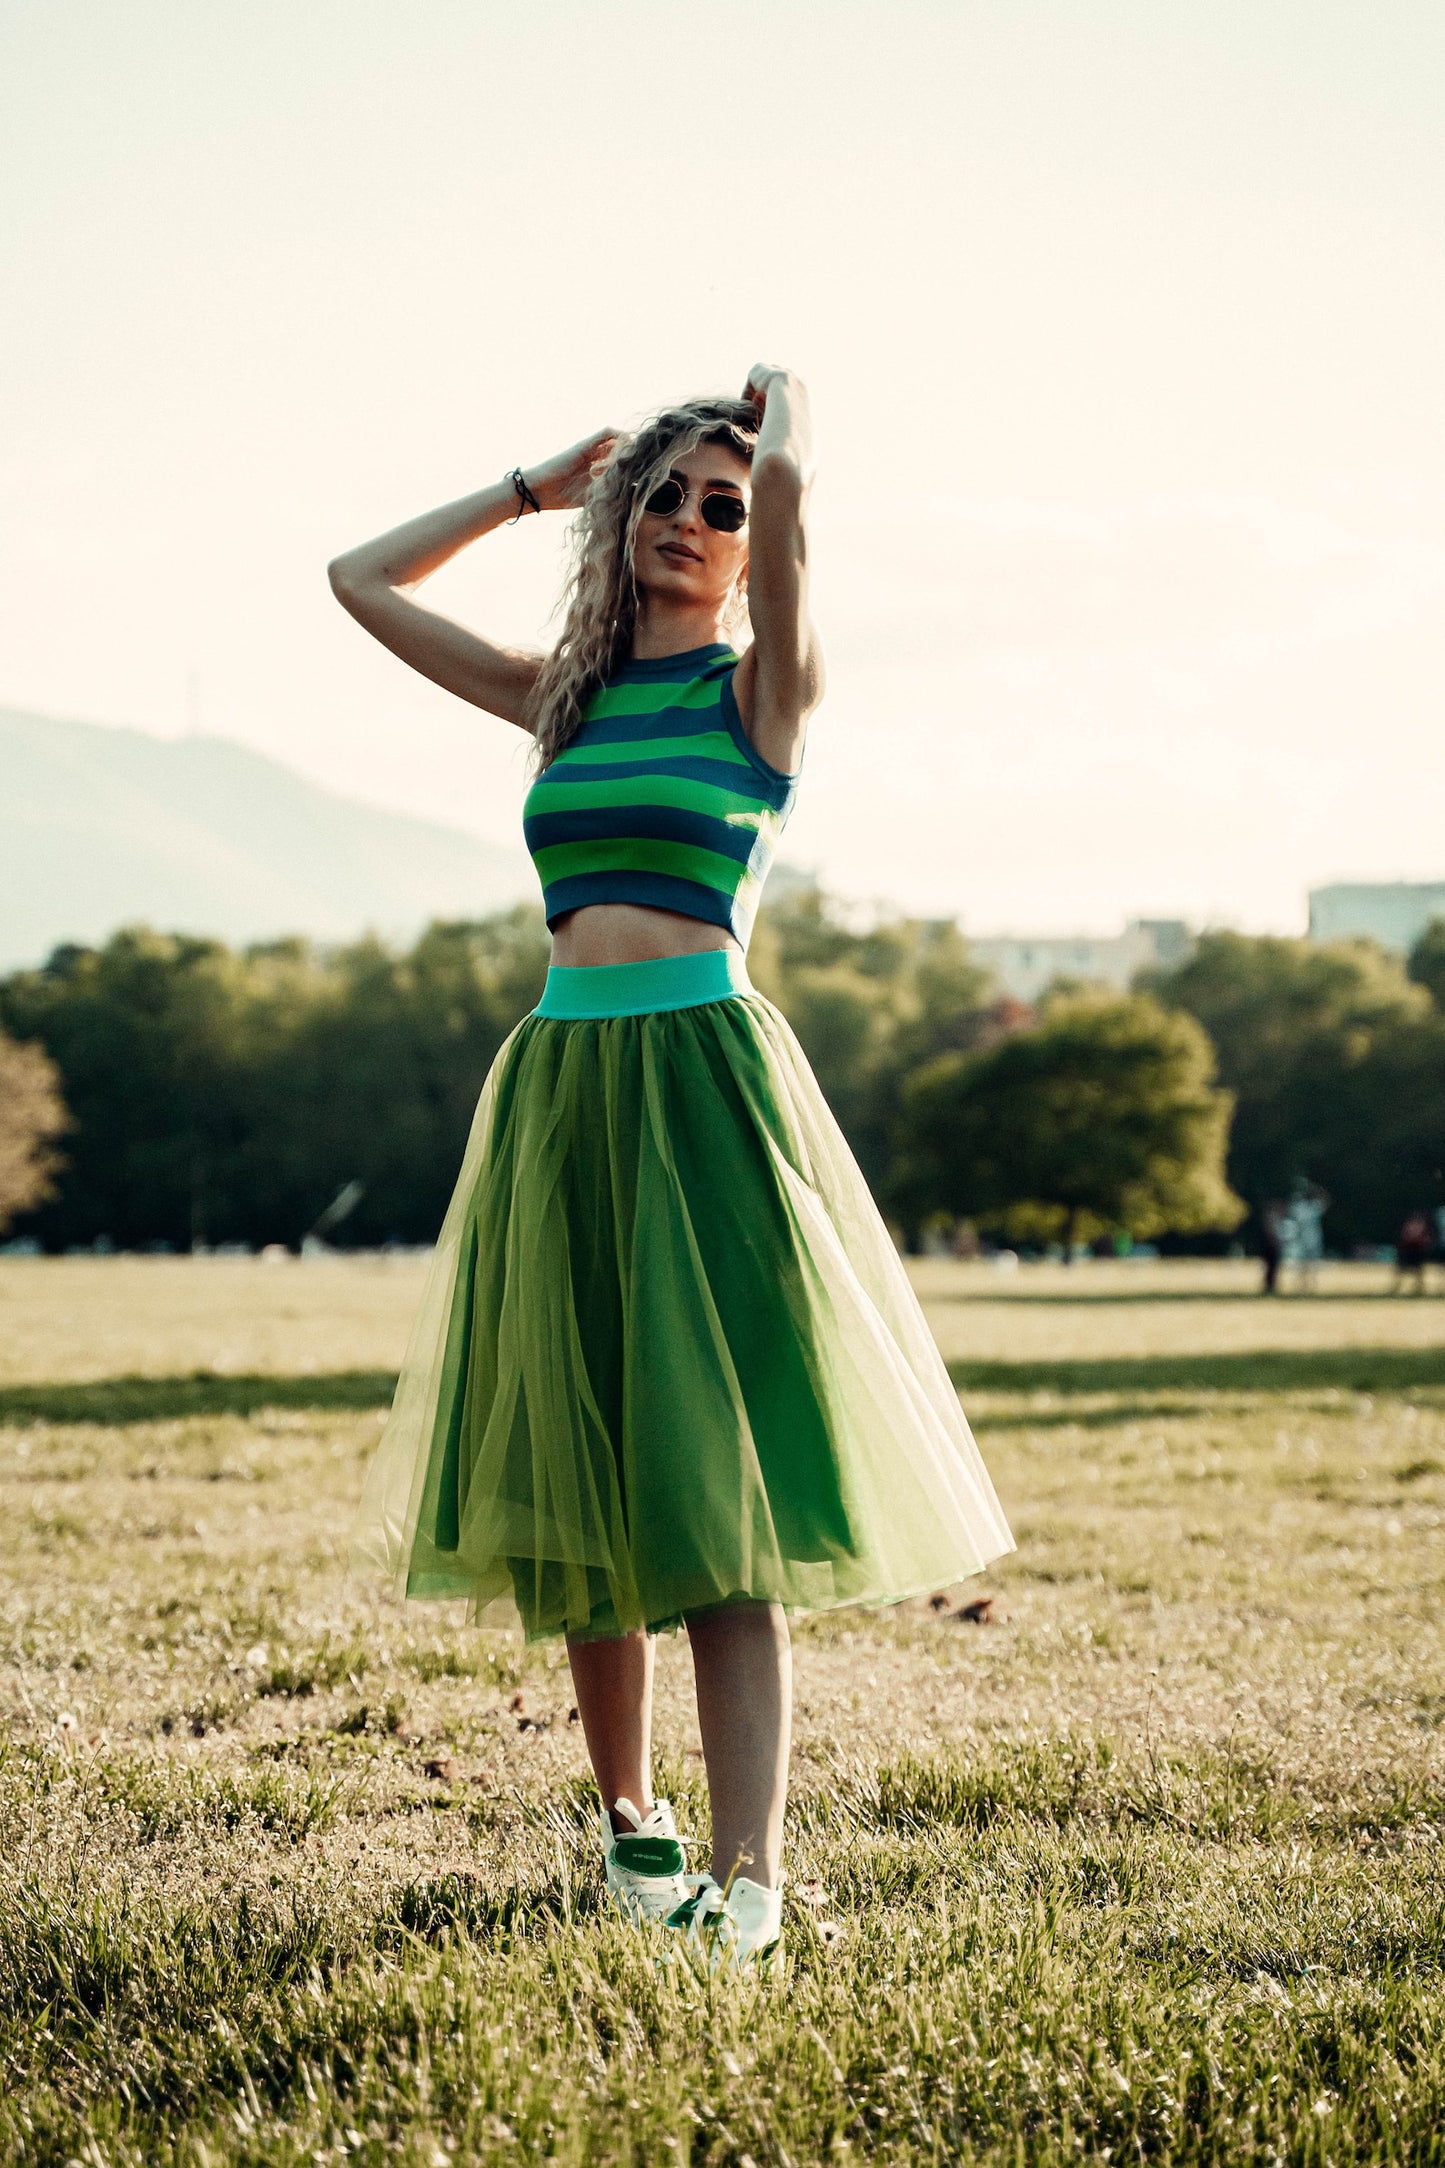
{"x": 1152, "y": 1869}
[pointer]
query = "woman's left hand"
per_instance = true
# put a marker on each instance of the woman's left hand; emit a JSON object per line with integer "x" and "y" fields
{"x": 761, "y": 375}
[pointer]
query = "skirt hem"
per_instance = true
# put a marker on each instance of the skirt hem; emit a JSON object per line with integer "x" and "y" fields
{"x": 502, "y": 1613}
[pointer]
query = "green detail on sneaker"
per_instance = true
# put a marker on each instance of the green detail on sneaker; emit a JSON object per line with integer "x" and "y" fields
{"x": 686, "y": 1913}
{"x": 649, "y": 1855}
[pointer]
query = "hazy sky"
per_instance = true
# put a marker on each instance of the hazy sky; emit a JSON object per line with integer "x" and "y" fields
{"x": 1124, "y": 320}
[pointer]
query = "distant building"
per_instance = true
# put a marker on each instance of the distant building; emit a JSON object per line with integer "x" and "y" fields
{"x": 1025, "y": 965}
{"x": 1394, "y": 913}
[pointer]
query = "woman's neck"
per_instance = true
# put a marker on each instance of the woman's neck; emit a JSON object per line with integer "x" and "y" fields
{"x": 671, "y": 629}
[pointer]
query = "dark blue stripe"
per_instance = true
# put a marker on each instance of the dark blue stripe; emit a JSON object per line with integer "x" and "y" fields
{"x": 612, "y": 823}
{"x": 662, "y": 891}
{"x": 697, "y": 662}
{"x": 656, "y": 723}
{"x": 744, "y": 783}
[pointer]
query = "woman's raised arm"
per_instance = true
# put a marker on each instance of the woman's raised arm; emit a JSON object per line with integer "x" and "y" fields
{"x": 780, "y": 680}
{"x": 376, "y": 583}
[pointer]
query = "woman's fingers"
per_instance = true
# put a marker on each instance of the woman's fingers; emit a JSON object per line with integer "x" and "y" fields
{"x": 587, "y": 458}
{"x": 581, "y": 457}
{"x": 562, "y": 481}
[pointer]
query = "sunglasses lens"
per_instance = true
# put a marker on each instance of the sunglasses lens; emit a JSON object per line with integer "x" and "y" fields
{"x": 665, "y": 498}
{"x": 725, "y": 515}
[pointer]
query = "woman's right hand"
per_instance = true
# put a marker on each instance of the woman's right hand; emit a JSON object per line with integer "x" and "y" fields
{"x": 560, "y": 484}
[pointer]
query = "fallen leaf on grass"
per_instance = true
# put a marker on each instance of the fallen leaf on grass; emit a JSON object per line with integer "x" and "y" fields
{"x": 441, "y": 1767}
{"x": 984, "y": 1611}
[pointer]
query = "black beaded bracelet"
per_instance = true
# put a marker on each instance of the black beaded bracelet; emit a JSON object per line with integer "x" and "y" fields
{"x": 526, "y": 497}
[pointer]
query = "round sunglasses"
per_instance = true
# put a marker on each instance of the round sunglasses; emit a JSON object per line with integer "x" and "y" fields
{"x": 724, "y": 514}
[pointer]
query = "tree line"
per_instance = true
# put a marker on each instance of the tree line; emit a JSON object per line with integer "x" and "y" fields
{"x": 164, "y": 1090}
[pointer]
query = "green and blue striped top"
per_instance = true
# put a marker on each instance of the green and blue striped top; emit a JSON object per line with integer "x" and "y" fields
{"x": 660, "y": 799}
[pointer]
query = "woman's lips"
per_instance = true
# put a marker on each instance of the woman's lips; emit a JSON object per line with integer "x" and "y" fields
{"x": 679, "y": 550}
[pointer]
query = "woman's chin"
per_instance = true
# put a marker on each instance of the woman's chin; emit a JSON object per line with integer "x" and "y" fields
{"x": 676, "y": 590}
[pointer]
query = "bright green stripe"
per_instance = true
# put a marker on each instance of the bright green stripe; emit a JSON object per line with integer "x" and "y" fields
{"x": 707, "y": 745}
{"x": 639, "y": 854}
{"x": 647, "y": 699}
{"x": 670, "y": 790}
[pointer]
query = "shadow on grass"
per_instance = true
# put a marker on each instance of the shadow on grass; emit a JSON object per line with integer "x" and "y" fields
{"x": 1114, "y": 1415}
{"x": 1262, "y": 1370}
{"x": 436, "y": 1908}
{"x": 1111, "y": 1298}
{"x": 152, "y": 1400}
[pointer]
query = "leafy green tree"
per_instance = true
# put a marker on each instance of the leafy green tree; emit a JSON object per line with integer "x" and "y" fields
{"x": 1333, "y": 1056}
{"x": 1104, "y": 1117}
{"x": 148, "y": 1036}
{"x": 1427, "y": 961}
{"x": 375, "y": 1077}
{"x": 1395, "y": 1163}
{"x": 32, "y": 1119}
{"x": 222, "y": 1097}
{"x": 868, "y": 1007}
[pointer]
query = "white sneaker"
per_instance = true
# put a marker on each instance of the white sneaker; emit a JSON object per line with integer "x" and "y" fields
{"x": 644, "y": 1867}
{"x": 743, "y": 1926}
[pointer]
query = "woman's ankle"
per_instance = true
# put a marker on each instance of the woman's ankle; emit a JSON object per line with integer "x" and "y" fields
{"x": 639, "y": 1797}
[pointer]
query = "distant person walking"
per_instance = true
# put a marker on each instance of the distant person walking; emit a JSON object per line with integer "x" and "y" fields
{"x": 668, "y": 1368}
{"x": 1271, "y": 1246}
{"x": 1412, "y": 1251}
{"x": 1308, "y": 1205}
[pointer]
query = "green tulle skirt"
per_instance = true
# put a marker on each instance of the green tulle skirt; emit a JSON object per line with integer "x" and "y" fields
{"x": 667, "y": 1356}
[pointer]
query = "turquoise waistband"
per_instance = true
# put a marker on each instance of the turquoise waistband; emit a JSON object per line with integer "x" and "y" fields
{"x": 665, "y": 982}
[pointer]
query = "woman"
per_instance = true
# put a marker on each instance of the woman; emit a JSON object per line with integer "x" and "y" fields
{"x": 668, "y": 1368}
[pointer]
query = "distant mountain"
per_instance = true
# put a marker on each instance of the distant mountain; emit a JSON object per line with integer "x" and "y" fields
{"x": 101, "y": 828}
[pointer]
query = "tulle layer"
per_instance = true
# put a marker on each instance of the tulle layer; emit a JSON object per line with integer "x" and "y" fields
{"x": 667, "y": 1356}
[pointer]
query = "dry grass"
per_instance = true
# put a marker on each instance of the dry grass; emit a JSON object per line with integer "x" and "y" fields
{"x": 1152, "y": 1868}
{"x": 71, "y": 1318}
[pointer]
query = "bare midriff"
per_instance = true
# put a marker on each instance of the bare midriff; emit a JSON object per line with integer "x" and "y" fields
{"x": 631, "y": 933}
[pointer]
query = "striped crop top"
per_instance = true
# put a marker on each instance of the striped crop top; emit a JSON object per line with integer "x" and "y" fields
{"x": 660, "y": 799}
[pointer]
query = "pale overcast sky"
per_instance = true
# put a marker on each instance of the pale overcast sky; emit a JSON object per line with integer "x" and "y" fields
{"x": 1125, "y": 324}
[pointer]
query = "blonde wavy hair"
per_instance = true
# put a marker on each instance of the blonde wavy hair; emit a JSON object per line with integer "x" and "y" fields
{"x": 600, "y": 598}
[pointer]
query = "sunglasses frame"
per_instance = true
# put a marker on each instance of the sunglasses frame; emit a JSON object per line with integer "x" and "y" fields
{"x": 711, "y": 496}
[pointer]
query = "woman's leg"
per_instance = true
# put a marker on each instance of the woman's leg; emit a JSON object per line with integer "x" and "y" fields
{"x": 613, "y": 1684}
{"x": 742, "y": 1659}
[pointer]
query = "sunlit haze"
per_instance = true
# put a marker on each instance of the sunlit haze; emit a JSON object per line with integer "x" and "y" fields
{"x": 1124, "y": 322}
